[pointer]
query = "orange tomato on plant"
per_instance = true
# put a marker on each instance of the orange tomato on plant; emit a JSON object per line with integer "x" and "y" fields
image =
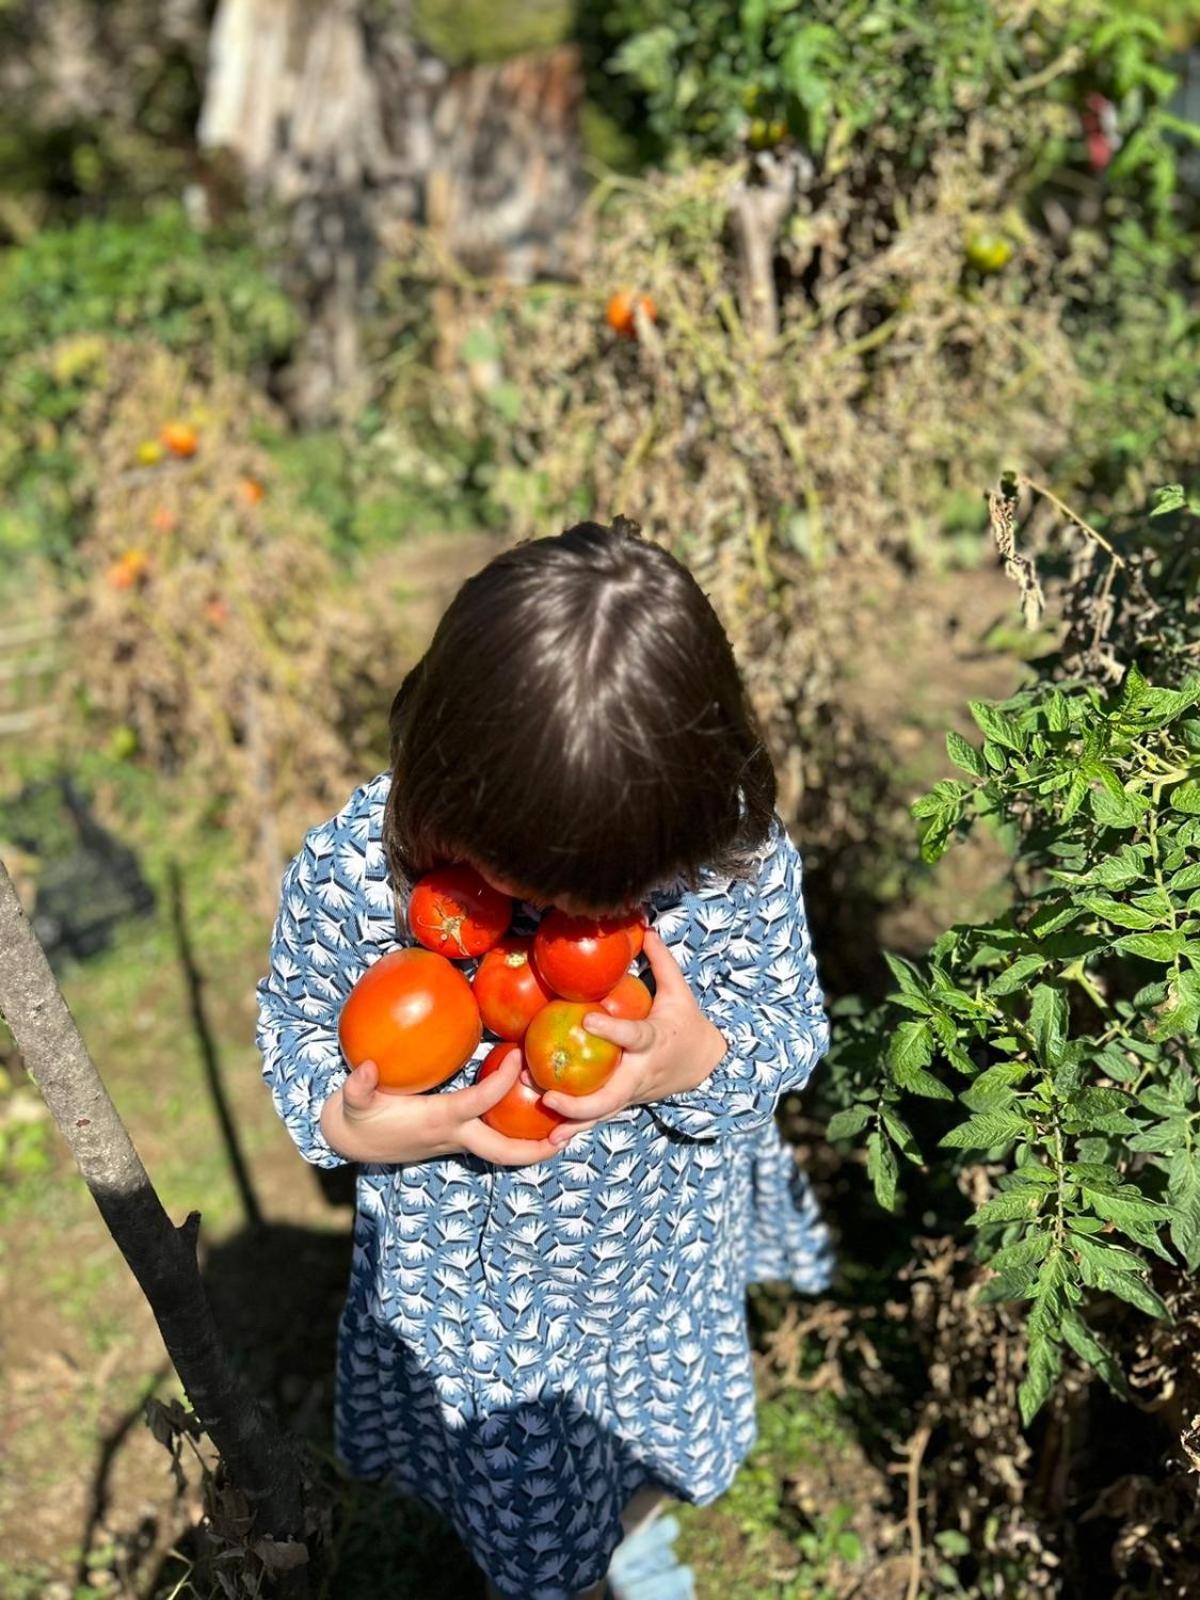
{"x": 581, "y": 958}
{"x": 132, "y": 566}
{"x": 561, "y": 1054}
{"x": 453, "y": 911}
{"x": 180, "y": 438}
{"x": 621, "y": 312}
{"x": 414, "y": 1015}
{"x": 521, "y": 1114}
{"x": 509, "y": 989}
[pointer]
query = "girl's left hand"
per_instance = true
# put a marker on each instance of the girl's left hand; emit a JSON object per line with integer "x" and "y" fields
{"x": 674, "y": 1049}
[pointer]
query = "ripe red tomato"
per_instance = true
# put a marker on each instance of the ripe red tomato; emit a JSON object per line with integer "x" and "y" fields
{"x": 581, "y": 958}
{"x": 455, "y": 913}
{"x": 637, "y": 934}
{"x": 561, "y": 1054}
{"x": 414, "y": 1015}
{"x": 521, "y": 1114}
{"x": 508, "y": 988}
{"x": 629, "y": 998}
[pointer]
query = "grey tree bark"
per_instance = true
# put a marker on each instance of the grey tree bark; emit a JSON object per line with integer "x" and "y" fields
{"x": 341, "y": 124}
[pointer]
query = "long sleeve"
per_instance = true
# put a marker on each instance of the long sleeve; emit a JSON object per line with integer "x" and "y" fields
{"x": 748, "y": 957}
{"x": 312, "y": 970}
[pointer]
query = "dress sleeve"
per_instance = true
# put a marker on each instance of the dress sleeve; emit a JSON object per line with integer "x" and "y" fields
{"x": 311, "y": 972}
{"x": 749, "y": 960}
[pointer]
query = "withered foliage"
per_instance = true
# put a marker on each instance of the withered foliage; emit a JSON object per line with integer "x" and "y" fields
{"x": 213, "y": 634}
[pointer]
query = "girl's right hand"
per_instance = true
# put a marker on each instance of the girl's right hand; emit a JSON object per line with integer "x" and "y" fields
{"x": 366, "y": 1125}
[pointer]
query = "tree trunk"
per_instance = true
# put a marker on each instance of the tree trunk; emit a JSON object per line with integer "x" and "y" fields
{"x": 341, "y": 123}
{"x": 258, "y": 1460}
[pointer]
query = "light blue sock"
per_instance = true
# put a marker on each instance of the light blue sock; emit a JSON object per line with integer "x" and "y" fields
{"x": 645, "y": 1567}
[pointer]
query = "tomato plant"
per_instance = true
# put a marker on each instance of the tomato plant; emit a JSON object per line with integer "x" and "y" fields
{"x": 561, "y": 1054}
{"x": 629, "y": 998}
{"x": 521, "y": 1114}
{"x": 415, "y": 1016}
{"x": 509, "y": 989}
{"x": 453, "y": 911}
{"x": 581, "y": 958}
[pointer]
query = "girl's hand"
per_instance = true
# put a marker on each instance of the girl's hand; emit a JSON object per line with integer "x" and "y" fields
{"x": 363, "y": 1124}
{"x": 674, "y": 1049}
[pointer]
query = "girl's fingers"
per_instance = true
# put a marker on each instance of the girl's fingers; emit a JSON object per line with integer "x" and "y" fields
{"x": 624, "y": 1031}
{"x": 483, "y": 1141}
{"x": 668, "y": 976}
{"x": 466, "y": 1104}
{"x": 612, "y": 1096}
{"x": 567, "y": 1132}
{"x": 360, "y": 1086}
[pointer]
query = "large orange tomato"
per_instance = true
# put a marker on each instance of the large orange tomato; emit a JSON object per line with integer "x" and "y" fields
{"x": 628, "y": 998}
{"x": 561, "y": 1054}
{"x": 508, "y": 988}
{"x": 414, "y": 1015}
{"x": 453, "y": 911}
{"x": 581, "y": 958}
{"x": 521, "y": 1114}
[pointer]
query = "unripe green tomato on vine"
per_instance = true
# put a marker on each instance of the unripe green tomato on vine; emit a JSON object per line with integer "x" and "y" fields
{"x": 766, "y": 134}
{"x": 988, "y": 252}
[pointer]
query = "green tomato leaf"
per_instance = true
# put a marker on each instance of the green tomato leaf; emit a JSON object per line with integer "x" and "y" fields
{"x": 985, "y": 1130}
{"x": 1113, "y": 911}
{"x": 1183, "y": 1198}
{"x": 845, "y": 1124}
{"x": 882, "y": 1169}
{"x": 1049, "y": 1019}
{"x": 964, "y": 755}
{"x": 1154, "y": 946}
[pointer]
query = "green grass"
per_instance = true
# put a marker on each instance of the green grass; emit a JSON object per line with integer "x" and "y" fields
{"x": 757, "y": 1542}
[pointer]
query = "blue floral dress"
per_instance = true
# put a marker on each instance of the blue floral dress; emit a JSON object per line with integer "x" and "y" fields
{"x": 524, "y": 1348}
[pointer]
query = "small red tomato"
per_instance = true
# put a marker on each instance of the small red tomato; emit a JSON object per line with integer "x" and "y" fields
{"x": 629, "y": 998}
{"x": 509, "y": 989}
{"x": 414, "y": 1016}
{"x": 521, "y": 1114}
{"x": 561, "y": 1054}
{"x": 581, "y": 958}
{"x": 453, "y": 911}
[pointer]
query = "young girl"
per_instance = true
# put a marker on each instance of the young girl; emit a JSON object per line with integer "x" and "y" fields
{"x": 542, "y": 1338}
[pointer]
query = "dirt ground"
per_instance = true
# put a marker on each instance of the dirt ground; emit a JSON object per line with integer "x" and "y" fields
{"x": 86, "y": 1496}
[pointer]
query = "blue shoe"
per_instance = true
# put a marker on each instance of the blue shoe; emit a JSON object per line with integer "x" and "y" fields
{"x": 645, "y": 1567}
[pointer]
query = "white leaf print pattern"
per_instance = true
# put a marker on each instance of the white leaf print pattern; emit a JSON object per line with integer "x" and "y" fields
{"x": 524, "y": 1348}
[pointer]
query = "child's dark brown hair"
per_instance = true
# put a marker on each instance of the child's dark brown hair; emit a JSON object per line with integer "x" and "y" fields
{"x": 578, "y": 727}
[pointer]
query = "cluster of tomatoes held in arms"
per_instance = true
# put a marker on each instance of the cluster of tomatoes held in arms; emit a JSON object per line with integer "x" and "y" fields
{"x": 419, "y": 1019}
